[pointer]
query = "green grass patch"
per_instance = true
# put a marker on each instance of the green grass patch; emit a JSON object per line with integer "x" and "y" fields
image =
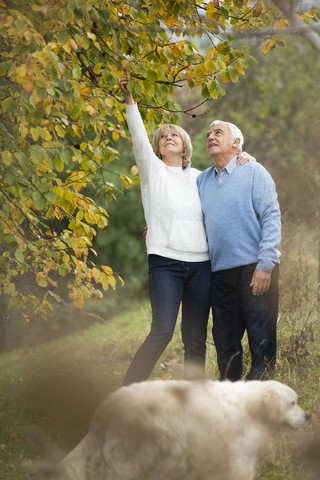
{"x": 49, "y": 391}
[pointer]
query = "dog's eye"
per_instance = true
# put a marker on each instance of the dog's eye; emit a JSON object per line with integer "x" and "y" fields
{"x": 293, "y": 403}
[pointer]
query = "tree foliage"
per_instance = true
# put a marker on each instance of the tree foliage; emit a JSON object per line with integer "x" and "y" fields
{"x": 276, "y": 105}
{"x": 61, "y": 117}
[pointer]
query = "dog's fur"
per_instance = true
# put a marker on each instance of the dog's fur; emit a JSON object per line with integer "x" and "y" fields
{"x": 180, "y": 430}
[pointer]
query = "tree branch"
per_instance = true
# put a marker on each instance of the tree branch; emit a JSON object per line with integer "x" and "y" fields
{"x": 40, "y": 233}
{"x": 296, "y": 22}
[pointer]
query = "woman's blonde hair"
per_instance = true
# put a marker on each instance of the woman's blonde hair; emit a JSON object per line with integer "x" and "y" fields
{"x": 187, "y": 146}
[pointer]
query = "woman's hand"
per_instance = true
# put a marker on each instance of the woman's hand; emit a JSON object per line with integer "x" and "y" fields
{"x": 245, "y": 157}
{"x": 124, "y": 88}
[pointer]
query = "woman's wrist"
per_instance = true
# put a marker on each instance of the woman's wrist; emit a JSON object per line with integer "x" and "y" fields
{"x": 129, "y": 100}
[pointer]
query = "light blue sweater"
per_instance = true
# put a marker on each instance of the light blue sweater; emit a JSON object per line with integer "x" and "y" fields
{"x": 241, "y": 216}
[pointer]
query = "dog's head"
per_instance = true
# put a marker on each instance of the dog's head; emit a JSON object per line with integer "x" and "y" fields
{"x": 279, "y": 403}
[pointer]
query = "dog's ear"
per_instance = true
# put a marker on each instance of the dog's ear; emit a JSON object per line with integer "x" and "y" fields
{"x": 271, "y": 405}
{"x": 265, "y": 404}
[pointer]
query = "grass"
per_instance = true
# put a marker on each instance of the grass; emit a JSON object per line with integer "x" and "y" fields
{"x": 49, "y": 392}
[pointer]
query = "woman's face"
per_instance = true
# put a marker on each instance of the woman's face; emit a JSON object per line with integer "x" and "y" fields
{"x": 170, "y": 143}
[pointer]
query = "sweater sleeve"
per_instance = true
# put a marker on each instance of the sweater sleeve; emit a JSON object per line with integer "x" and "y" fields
{"x": 267, "y": 208}
{"x": 146, "y": 159}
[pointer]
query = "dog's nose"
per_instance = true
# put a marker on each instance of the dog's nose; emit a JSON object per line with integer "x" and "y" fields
{"x": 307, "y": 416}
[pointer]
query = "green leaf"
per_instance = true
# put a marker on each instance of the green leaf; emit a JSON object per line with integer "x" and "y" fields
{"x": 8, "y": 105}
{"x": 76, "y": 72}
{"x": 59, "y": 164}
{"x": 39, "y": 200}
{"x": 234, "y": 74}
{"x": 19, "y": 255}
{"x": 63, "y": 37}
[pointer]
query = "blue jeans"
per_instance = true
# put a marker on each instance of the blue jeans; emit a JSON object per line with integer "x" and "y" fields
{"x": 170, "y": 283}
{"x": 235, "y": 309}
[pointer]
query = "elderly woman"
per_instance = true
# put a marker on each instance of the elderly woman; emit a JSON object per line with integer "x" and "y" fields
{"x": 179, "y": 266}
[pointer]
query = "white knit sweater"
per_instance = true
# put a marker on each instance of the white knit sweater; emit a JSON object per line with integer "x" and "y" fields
{"x": 171, "y": 203}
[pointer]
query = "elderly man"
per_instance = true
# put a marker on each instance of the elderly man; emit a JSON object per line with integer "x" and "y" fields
{"x": 243, "y": 226}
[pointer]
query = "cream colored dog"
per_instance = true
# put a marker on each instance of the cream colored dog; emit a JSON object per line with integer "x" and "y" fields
{"x": 180, "y": 430}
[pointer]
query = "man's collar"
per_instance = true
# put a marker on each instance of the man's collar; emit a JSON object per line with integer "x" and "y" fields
{"x": 229, "y": 167}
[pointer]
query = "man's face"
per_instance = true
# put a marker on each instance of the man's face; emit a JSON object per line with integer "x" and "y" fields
{"x": 219, "y": 141}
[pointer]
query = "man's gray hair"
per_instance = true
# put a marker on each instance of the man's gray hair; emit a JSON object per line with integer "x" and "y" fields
{"x": 235, "y": 132}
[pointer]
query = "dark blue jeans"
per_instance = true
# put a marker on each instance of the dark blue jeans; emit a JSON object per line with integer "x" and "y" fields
{"x": 170, "y": 283}
{"x": 235, "y": 309}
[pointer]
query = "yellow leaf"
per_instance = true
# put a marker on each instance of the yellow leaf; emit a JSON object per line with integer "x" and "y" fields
{"x": 7, "y": 157}
{"x": 189, "y": 75}
{"x": 97, "y": 68}
{"x": 239, "y": 68}
{"x": 27, "y": 84}
{"x": 109, "y": 102}
{"x": 104, "y": 282}
{"x": 112, "y": 282}
{"x": 41, "y": 279}
{"x": 212, "y": 11}
{"x": 76, "y": 129}
{"x": 73, "y": 44}
{"x": 125, "y": 64}
{"x": 116, "y": 70}
{"x": 224, "y": 75}
{"x": 209, "y": 64}
{"x": 67, "y": 46}
{"x": 79, "y": 216}
{"x": 96, "y": 274}
{"x": 34, "y": 133}
{"x": 92, "y": 111}
{"x": 60, "y": 130}
{"x": 91, "y": 36}
{"x": 89, "y": 215}
{"x": 282, "y": 23}
{"x": 102, "y": 222}
{"x": 126, "y": 180}
{"x": 221, "y": 64}
{"x": 107, "y": 269}
{"x": 257, "y": 10}
{"x": 115, "y": 135}
{"x": 31, "y": 66}
{"x": 46, "y": 134}
{"x": 211, "y": 86}
{"x": 107, "y": 280}
{"x": 209, "y": 53}
{"x": 268, "y": 45}
{"x": 171, "y": 21}
{"x": 17, "y": 215}
{"x": 79, "y": 301}
{"x": 85, "y": 91}
{"x": 24, "y": 131}
{"x": 134, "y": 170}
{"x": 66, "y": 258}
